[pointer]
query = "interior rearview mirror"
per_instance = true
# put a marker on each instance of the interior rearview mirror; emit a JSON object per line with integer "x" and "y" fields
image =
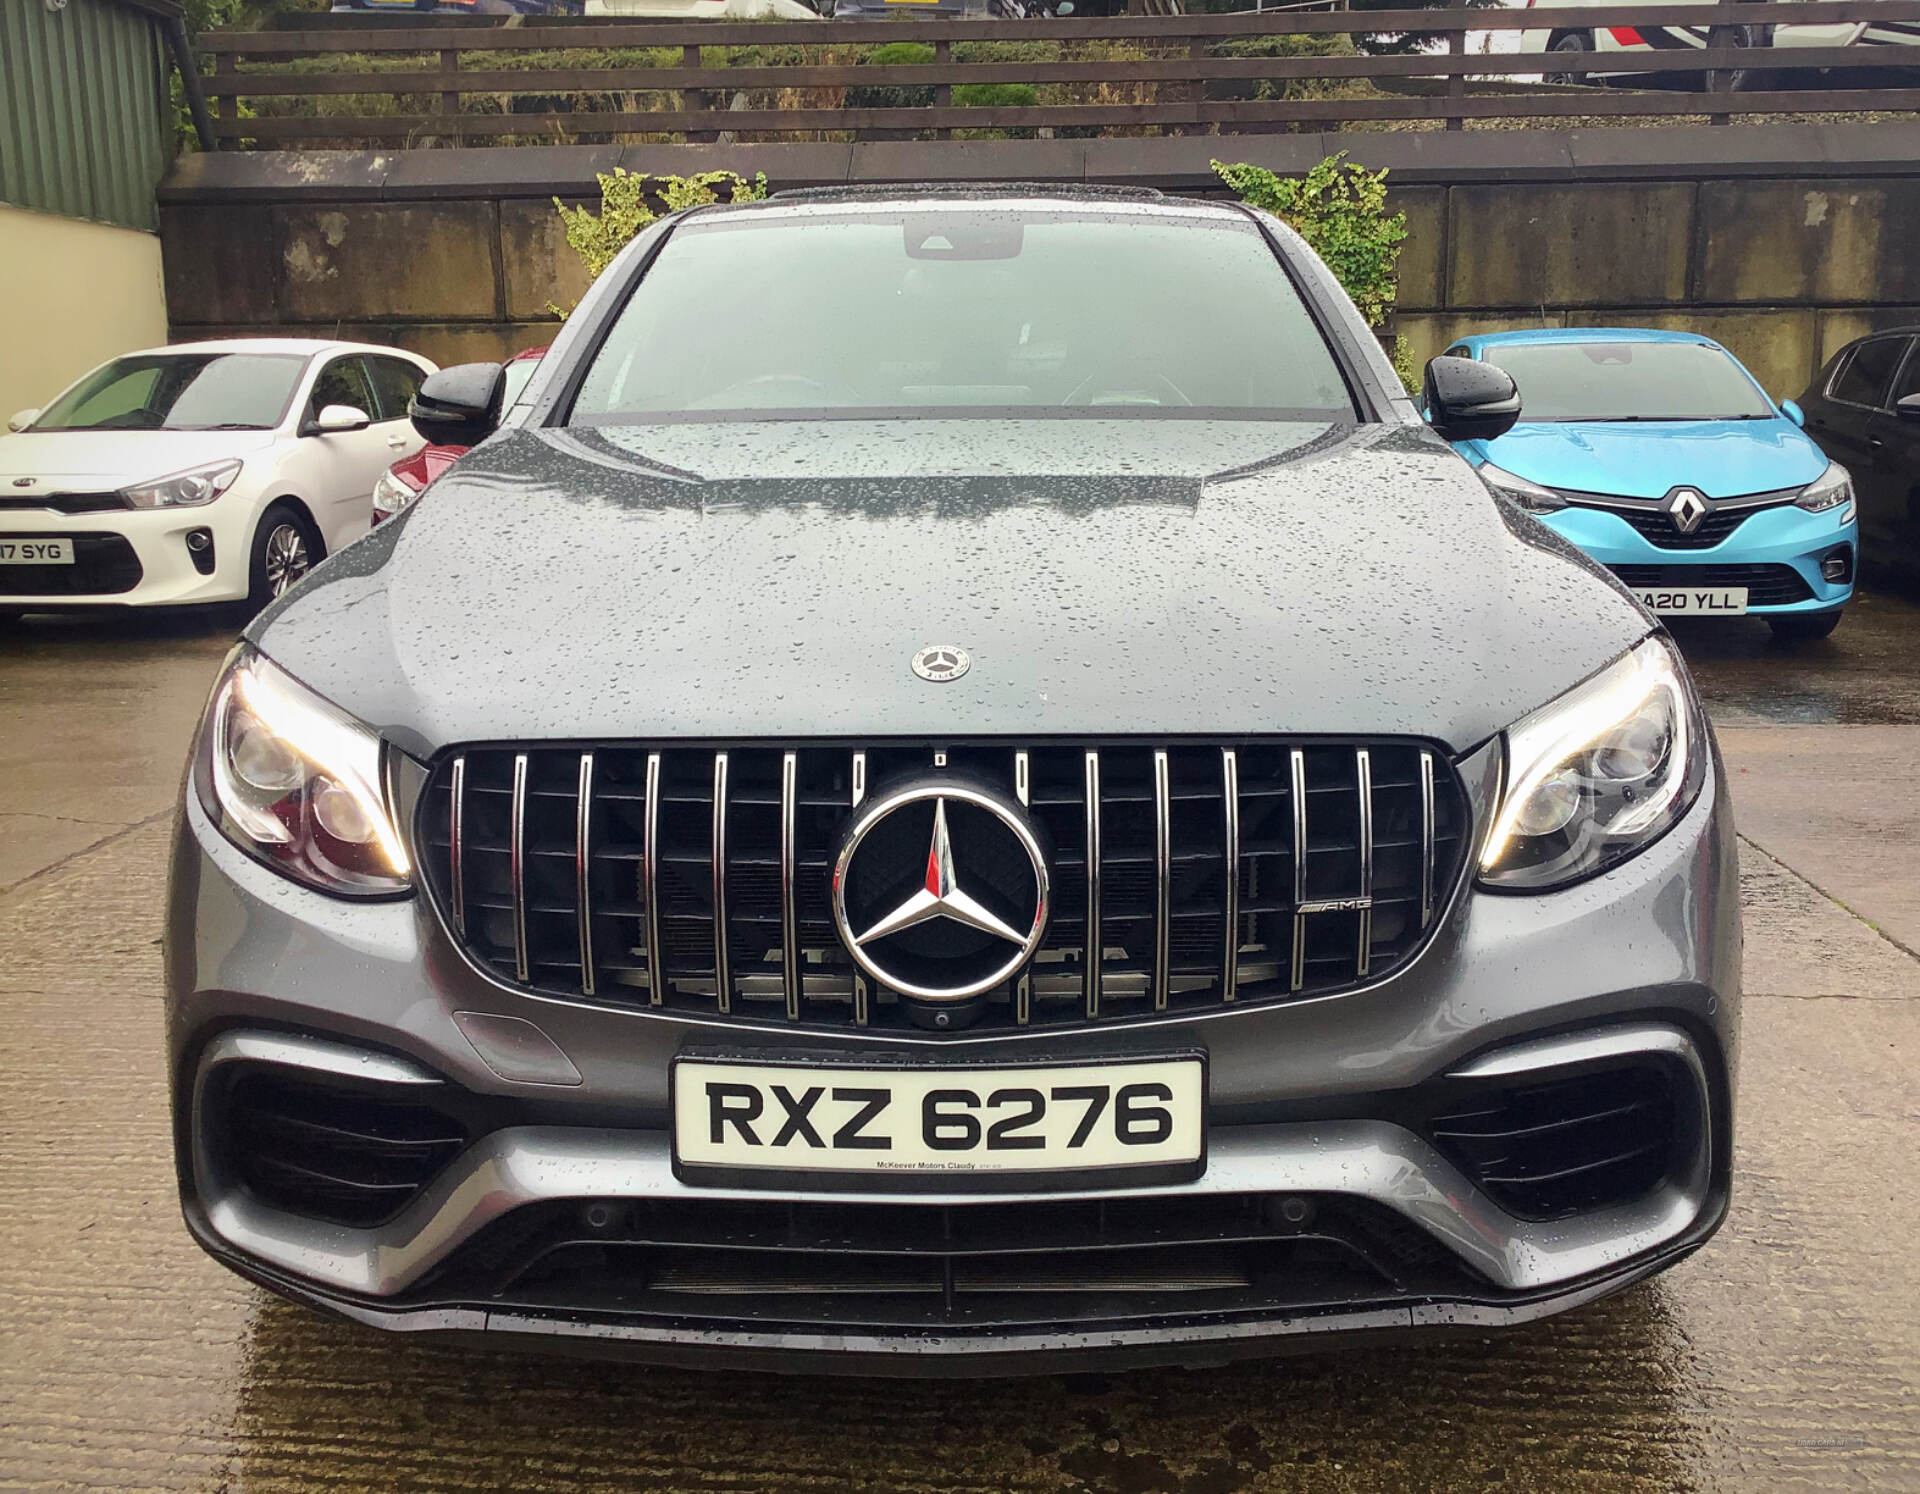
{"x": 1908, "y": 408}
{"x": 1467, "y": 400}
{"x": 333, "y": 419}
{"x": 459, "y": 406}
{"x": 21, "y": 419}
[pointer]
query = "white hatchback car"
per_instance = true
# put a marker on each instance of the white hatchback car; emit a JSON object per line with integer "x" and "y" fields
{"x": 203, "y": 472}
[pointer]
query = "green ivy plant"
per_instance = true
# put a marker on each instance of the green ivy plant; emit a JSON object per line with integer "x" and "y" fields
{"x": 1341, "y": 211}
{"x": 627, "y": 206}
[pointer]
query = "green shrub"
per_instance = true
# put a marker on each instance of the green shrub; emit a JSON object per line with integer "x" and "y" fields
{"x": 885, "y": 96}
{"x": 995, "y": 95}
{"x": 626, "y": 207}
{"x": 1341, "y": 211}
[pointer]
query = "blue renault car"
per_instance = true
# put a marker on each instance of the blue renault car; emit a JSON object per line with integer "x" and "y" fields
{"x": 1659, "y": 455}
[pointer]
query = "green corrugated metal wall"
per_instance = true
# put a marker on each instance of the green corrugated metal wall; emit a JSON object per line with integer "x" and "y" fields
{"x": 85, "y": 118}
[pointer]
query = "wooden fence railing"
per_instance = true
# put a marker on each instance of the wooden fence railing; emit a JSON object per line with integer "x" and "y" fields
{"x": 1129, "y": 74}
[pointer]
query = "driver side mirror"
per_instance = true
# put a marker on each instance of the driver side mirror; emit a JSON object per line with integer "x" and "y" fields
{"x": 1908, "y": 407}
{"x": 459, "y": 406}
{"x": 21, "y": 419}
{"x": 1467, "y": 400}
{"x": 335, "y": 419}
{"x": 1791, "y": 409}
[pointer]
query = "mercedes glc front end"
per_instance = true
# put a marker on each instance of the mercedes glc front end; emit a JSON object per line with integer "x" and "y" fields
{"x": 960, "y": 785}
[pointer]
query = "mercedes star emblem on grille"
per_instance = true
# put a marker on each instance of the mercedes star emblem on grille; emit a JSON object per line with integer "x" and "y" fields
{"x": 926, "y": 919}
{"x": 1687, "y": 509}
{"x": 941, "y": 662}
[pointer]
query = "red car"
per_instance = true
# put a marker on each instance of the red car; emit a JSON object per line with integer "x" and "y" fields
{"x": 404, "y": 480}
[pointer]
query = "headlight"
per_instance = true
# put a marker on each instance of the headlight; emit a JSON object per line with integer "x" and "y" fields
{"x": 1516, "y": 489}
{"x": 298, "y": 783}
{"x": 1598, "y": 775}
{"x": 390, "y": 495}
{"x": 184, "y": 489}
{"x": 1829, "y": 490}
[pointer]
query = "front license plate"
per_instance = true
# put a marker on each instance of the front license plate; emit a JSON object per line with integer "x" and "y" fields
{"x": 814, "y": 1118}
{"x": 36, "y": 552}
{"x": 1677, "y": 601}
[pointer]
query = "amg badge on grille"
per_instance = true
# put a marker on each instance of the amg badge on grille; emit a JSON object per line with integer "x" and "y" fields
{"x": 940, "y": 890}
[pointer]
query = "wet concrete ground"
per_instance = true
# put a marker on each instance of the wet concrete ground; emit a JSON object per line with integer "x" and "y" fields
{"x": 1786, "y": 1355}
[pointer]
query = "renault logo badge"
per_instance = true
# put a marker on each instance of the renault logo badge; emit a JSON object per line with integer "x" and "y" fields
{"x": 1687, "y": 509}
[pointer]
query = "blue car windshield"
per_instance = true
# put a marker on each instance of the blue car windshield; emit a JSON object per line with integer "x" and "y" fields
{"x": 1629, "y": 381}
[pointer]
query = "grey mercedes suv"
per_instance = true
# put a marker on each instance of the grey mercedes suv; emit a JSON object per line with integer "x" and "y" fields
{"x": 962, "y": 784}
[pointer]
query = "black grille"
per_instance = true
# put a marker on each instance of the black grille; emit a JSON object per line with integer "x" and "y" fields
{"x": 1767, "y": 585}
{"x": 1284, "y": 870}
{"x": 64, "y": 503}
{"x": 103, "y": 565}
{"x": 1547, "y": 1150}
{"x": 1037, "y": 1261}
{"x": 1657, "y": 529}
{"x": 329, "y": 1149}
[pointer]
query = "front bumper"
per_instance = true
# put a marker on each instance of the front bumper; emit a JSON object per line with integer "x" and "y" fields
{"x": 1309, "y": 1101}
{"x": 1785, "y": 536}
{"x": 147, "y": 547}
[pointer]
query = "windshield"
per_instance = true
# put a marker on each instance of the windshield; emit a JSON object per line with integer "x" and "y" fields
{"x": 1629, "y": 381}
{"x": 179, "y": 392}
{"x": 964, "y": 308}
{"x": 519, "y": 374}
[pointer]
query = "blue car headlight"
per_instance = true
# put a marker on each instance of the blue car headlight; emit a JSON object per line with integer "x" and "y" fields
{"x": 1517, "y": 489}
{"x": 1829, "y": 490}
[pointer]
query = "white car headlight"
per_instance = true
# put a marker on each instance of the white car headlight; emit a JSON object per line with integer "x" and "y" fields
{"x": 390, "y": 495}
{"x": 298, "y": 784}
{"x": 187, "y": 489}
{"x": 1516, "y": 489}
{"x": 1829, "y": 490}
{"x": 1599, "y": 774}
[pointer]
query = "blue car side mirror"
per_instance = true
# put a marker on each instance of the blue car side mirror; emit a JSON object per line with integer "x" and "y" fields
{"x": 1793, "y": 412}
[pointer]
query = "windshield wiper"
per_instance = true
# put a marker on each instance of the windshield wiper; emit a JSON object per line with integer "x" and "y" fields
{"x": 226, "y": 425}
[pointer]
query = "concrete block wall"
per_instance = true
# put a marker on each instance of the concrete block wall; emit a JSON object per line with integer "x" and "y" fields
{"x": 1783, "y": 241}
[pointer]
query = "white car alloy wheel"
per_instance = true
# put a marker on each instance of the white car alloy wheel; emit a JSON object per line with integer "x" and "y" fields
{"x": 286, "y": 556}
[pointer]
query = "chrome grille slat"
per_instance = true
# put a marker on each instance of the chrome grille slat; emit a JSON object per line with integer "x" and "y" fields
{"x": 583, "y": 869}
{"x": 517, "y": 855}
{"x": 698, "y": 879}
{"x": 722, "y": 955}
{"x": 1093, "y": 954}
{"x": 1163, "y": 878}
{"x": 1230, "y": 845}
{"x": 1363, "y": 783}
{"x": 456, "y": 845}
{"x": 789, "y": 910}
{"x": 650, "y": 879}
{"x": 1297, "y": 806}
{"x": 1426, "y": 838}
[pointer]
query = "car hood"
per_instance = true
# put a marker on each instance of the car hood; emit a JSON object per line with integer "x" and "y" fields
{"x": 774, "y": 580}
{"x": 98, "y": 461}
{"x": 1637, "y": 459}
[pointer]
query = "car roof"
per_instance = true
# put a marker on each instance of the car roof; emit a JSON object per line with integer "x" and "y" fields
{"x": 809, "y": 201}
{"x": 304, "y": 347}
{"x": 1582, "y": 334}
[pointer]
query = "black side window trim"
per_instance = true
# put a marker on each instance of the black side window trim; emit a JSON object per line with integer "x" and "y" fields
{"x": 1845, "y": 365}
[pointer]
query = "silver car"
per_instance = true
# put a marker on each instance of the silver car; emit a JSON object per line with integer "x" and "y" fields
{"x": 904, "y": 811}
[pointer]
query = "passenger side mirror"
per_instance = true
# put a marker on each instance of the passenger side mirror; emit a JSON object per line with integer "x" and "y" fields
{"x": 333, "y": 419}
{"x": 1467, "y": 400}
{"x": 1793, "y": 412}
{"x": 1908, "y": 408}
{"x": 21, "y": 419}
{"x": 459, "y": 406}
